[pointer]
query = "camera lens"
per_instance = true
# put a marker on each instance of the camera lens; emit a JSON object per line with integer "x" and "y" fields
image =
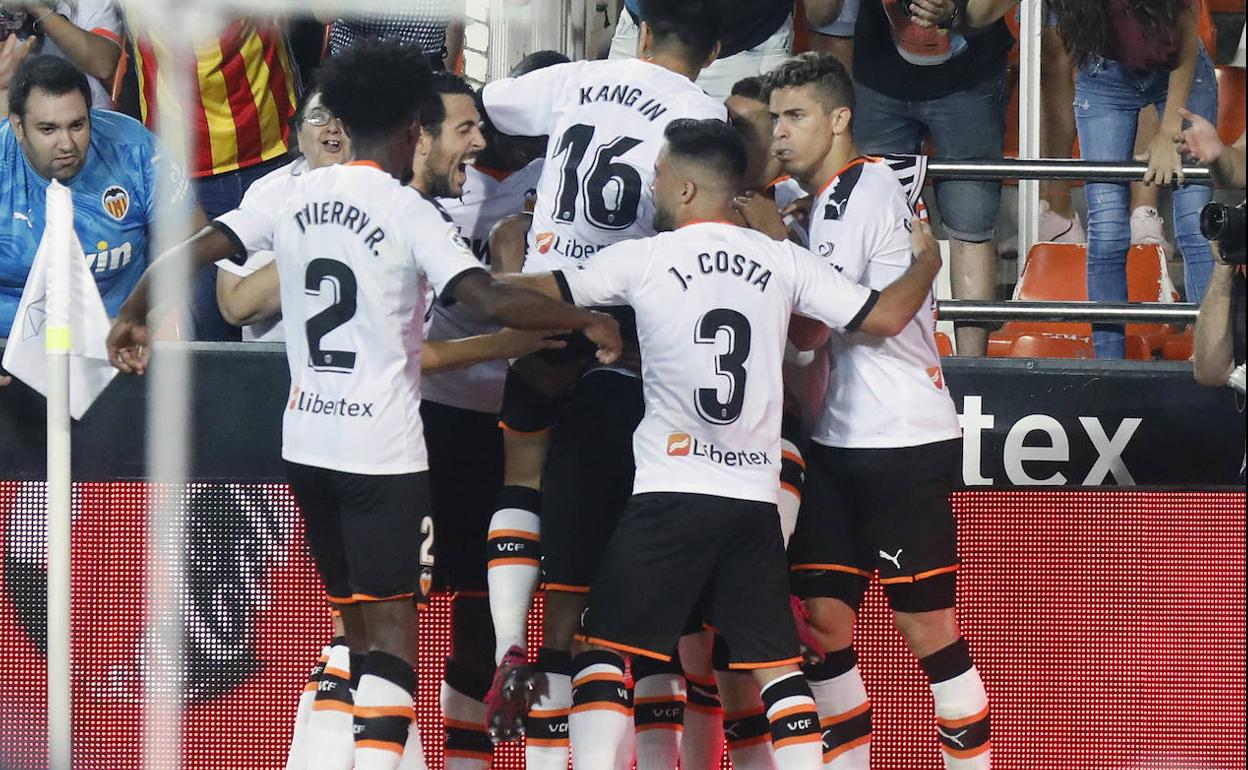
{"x": 1213, "y": 220}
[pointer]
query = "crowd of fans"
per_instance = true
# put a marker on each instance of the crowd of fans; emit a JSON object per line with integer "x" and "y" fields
{"x": 931, "y": 76}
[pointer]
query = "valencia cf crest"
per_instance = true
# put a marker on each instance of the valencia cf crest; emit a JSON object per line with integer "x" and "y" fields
{"x": 116, "y": 201}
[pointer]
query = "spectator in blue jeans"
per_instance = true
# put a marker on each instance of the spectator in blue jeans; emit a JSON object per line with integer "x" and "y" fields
{"x": 948, "y": 82}
{"x": 1132, "y": 55}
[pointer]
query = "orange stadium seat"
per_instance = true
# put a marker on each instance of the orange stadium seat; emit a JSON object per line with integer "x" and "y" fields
{"x": 1231, "y": 94}
{"x": 1058, "y": 272}
{"x": 944, "y": 345}
{"x": 1178, "y": 347}
{"x": 1046, "y": 345}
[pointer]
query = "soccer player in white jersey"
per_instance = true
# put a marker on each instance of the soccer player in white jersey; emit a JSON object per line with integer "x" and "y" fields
{"x": 724, "y": 707}
{"x": 887, "y": 415}
{"x": 459, "y": 408}
{"x": 605, "y": 120}
{"x": 355, "y": 249}
{"x": 713, "y": 302}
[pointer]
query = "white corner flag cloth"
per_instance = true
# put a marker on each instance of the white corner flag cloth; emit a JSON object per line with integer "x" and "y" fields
{"x": 82, "y": 335}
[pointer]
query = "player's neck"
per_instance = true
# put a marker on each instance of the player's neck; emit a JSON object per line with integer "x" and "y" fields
{"x": 389, "y": 157}
{"x": 694, "y": 214}
{"x": 675, "y": 64}
{"x": 842, "y": 152}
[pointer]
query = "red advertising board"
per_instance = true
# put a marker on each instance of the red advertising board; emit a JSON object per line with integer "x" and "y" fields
{"x": 1108, "y": 626}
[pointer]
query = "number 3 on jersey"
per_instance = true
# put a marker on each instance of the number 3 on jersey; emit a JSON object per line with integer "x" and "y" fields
{"x": 342, "y": 282}
{"x": 612, "y": 190}
{"x": 729, "y": 364}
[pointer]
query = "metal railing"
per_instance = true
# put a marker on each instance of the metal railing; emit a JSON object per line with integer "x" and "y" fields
{"x": 981, "y": 312}
{"x": 1092, "y": 171}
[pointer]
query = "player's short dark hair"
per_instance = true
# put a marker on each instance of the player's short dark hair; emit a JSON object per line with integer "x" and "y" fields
{"x": 376, "y": 87}
{"x": 536, "y": 61}
{"x": 712, "y": 144}
{"x": 433, "y": 113}
{"x": 832, "y": 84}
{"x": 753, "y": 87}
{"x": 691, "y": 25}
{"x": 51, "y": 74}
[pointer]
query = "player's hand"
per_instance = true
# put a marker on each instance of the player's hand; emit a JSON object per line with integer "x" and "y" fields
{"x": 931, "y": 13}
{"x": 1164, "y": 164}
{"x": 1200, "y": 140}
{"x": 129, "y": 347}
{"x": 514, "y": 343}
{"x": 5, "y": 380}
{"x": 759, "y": 213}
{"x": 604, "y": 332}
{"x": 799, "y": 211}
{"x": 923, "y": 244}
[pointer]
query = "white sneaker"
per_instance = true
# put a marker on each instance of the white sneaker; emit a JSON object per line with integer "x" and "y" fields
{"x": 1147, "y": 226}
{"x": 1055, "y": 228}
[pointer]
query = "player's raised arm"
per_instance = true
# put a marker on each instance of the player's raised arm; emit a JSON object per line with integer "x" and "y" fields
{"x": 525, "y": 105}
{"x": 884, "y": 313}
{"x": 127, "y": 340}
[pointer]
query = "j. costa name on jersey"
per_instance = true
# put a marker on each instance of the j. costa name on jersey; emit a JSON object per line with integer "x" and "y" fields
{"x": 723, "y": 263}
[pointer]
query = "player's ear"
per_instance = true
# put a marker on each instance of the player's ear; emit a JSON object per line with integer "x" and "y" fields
{"x": 713, "y": 56}
{"x": 423, "y": 138}
{"x": 688, "y": 191}
{"x": 841, "y": 118}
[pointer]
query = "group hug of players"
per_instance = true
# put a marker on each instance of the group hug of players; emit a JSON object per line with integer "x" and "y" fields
{"x": 760, "y": 340}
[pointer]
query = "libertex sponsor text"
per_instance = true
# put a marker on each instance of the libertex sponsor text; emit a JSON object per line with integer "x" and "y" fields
{"x": 312, "y": 403}
{"x": 684, "y": 445}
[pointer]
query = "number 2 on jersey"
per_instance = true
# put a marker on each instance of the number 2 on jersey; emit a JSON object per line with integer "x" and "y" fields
{"x": 729, "y": 364}
{"x": 342, "y": 309}
{"x": 612, "y": 191}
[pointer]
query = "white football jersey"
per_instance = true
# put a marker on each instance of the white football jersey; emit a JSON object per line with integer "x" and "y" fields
{"x": 882, "y": 392}
{"x": 605, "y": 120}
{"x": 488, "y": 198}
{"x": 355, "y": 252}
{"x": 713, "y": 302}
{"x": 263, "y": 195}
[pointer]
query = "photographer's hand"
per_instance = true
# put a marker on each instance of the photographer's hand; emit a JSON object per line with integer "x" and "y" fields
{"x": 1200, "y": 140}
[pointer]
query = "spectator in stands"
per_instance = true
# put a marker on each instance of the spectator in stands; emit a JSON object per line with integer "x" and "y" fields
{"x": 109, "y": 161}
{"x": 435, "y": 25}
{"x": 87, "y": 32}
{"x": 1132, "y": 55}
{"x": 240, "y": 127}
{"x": 947, "y": 82}
{"x": 830, "y": 24}
{"x": 320, "y": 141}
{"x": 755, "y": 36}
